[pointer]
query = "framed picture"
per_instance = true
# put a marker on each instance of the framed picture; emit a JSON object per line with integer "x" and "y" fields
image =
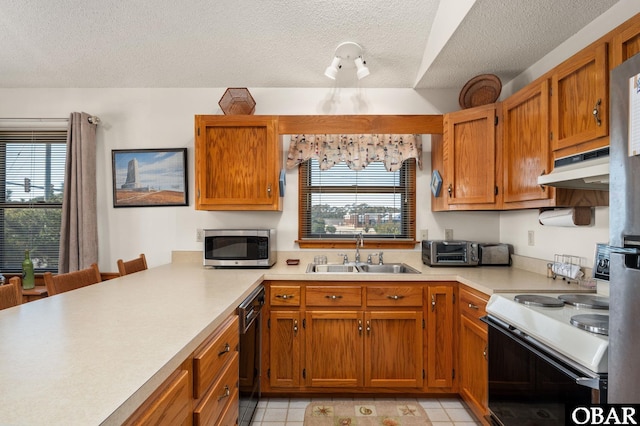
{"x": 150, "y": 177}
{"x": 436, "y": 183}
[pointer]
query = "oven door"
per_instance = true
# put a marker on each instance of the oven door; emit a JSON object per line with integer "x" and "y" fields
{"x": 530, "y": 384}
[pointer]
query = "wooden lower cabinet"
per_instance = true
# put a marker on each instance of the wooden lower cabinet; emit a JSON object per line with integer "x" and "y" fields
{"x": 285, "y": 342}
{"x": 393, "y": 356}
{"x": 346, "y": 337}
{"x": 473, "y": 352}
{"x": 334, "y": 349}
{"x": 169, "y": 405}
{"x": 440, "y": 324}
{"x": 203, "y": 390}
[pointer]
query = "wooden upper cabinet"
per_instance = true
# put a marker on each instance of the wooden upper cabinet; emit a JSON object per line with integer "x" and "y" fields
{"x": 526, "y": 148}
{"x": 579, "y": 99}
{"x": 469, "y": 154}
{"x": 626, "y": 41}
{"x": 238, "y": 161}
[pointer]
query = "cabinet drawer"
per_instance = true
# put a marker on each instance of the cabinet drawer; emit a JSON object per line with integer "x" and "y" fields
{"x": 221, "y": 393}
{"x": 472, "y": 305}
{"x": 334, "y": 295}
{"x": 169, "y": 405}
{"x": 230, "y": 415}
{"x": 284, "y": 295}
{"x": 210, "y": 358}
{"x": 410, "y": 295}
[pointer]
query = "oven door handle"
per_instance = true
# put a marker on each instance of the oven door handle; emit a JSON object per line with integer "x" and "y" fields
{"x": 521, "y": 338}
{"x": 589, "y": 382}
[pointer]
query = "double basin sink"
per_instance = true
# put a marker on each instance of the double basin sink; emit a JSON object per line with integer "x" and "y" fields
{"x": 387, "y": 268}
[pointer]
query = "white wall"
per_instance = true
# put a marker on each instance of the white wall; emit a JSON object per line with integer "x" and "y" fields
{"x": 514, "y": 226}
{"x": 164, "y": 118}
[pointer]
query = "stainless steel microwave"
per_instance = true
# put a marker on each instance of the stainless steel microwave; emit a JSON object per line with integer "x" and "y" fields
{"x": 239, "y": 248}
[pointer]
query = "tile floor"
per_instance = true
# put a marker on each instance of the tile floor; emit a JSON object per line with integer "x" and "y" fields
{"x": 290, "y": 412}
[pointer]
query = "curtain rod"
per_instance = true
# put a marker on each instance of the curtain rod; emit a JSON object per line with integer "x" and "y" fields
{"x": 93, "y": 119}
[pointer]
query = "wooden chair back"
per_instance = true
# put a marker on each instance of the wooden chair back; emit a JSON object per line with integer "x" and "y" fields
{"x": 135, "y": 265}
{"x": 11, "y": 294}
{"x": 61, "y": 283}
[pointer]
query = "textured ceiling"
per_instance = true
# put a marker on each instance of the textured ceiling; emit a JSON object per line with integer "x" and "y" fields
{"x": 277, "y": 43}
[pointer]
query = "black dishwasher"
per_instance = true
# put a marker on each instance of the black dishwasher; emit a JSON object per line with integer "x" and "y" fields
{"x": 249, "y": 313}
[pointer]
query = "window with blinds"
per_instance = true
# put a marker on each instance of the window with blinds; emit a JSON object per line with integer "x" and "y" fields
{"x": 338, "y": 203}
{"x": 32, "y": 166}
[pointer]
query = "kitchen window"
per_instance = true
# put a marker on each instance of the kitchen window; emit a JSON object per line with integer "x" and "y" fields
{"x": 32, "y": 168}
{"x": 338, "y": 203}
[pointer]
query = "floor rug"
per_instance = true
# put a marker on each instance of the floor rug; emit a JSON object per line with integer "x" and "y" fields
{"x": 364, "y": 413}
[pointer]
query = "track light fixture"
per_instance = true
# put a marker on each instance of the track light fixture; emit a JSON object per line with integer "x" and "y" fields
{"x": 348, "y": 55}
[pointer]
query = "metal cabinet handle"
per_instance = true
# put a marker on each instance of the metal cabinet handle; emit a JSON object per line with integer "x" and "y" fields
{"x": 368, "y": 326}
{"x": 269, "y": 190}
{"x": 395, "y": 297}
{"x": 333, "y": 296}
{"x": 284, "y": 296}
{"x": 226, "y": 349}
{"x": 596, "y": 112}
{"x": 360, "y": 327}
{"x": 226, "y": 393}
{"x": 450, "y": 190}
{"x": 433, "y": 303}
{"x": 484, "y": 352}
{"x": 472, "y": 306}
{"x": 295, "y": 326}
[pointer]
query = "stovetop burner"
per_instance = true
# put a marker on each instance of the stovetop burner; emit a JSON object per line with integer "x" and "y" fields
{"x": 552, "y": 327}
{"x": 539, "y": 300}
{"x": 594, "y": 323}
{"x": 585, "y": 301}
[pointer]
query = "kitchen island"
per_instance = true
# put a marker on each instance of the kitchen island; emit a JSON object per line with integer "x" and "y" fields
{"x": 93, "y": 355}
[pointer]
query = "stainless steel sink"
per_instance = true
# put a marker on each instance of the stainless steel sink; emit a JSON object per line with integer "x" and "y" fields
{"x": 388, "y": 268}
{"x": 331, "y": 268}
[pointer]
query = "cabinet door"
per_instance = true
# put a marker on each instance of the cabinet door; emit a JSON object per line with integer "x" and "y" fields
{"x": 393, "y": 349}
{"x": 474, "y": 377}
{"x": 579, "y": 98}
{"x": 440, "y": 325}
{"x": 626, "y": 41}
{"x": 285, "y": 346}
{"x": 334, "y": 348}
{"x": 525, "y": 150}
{"x": 470, "y": 156}
{"x": 238, "y": 161}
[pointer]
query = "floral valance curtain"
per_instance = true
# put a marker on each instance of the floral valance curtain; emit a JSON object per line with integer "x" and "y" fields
{"x": 357, "y": 151}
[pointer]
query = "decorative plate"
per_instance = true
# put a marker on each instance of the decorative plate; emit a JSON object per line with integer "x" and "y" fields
{"x": 480, "y": 90}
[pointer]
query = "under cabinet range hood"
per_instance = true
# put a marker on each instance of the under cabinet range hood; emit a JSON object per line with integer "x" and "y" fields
{"x": 587, "y": 170}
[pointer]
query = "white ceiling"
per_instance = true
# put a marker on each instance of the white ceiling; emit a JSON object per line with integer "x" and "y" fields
{"x": 276, "y": 43}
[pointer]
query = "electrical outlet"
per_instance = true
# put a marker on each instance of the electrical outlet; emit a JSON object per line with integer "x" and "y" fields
{"x": 199, "y": 235}
{"x": 424, "y": 234}
{"x": 531, "y": 238}
{"x": 448, "y": 234}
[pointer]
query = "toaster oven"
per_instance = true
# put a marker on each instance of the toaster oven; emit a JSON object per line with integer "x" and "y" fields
{"x": 449, "y": 253}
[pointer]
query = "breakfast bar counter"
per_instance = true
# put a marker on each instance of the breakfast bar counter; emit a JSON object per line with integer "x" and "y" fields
{"x": 93, "y": 355}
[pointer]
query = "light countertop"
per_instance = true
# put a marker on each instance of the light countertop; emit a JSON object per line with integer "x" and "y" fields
{"x": 93, "y": 355}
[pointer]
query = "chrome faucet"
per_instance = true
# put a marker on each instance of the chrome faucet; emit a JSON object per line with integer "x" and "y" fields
{"x": 359, "y": 243}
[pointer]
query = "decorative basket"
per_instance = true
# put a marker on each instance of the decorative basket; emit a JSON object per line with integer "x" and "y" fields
{"x": 237, "y": 101}
{"x": 480, "y": 90}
